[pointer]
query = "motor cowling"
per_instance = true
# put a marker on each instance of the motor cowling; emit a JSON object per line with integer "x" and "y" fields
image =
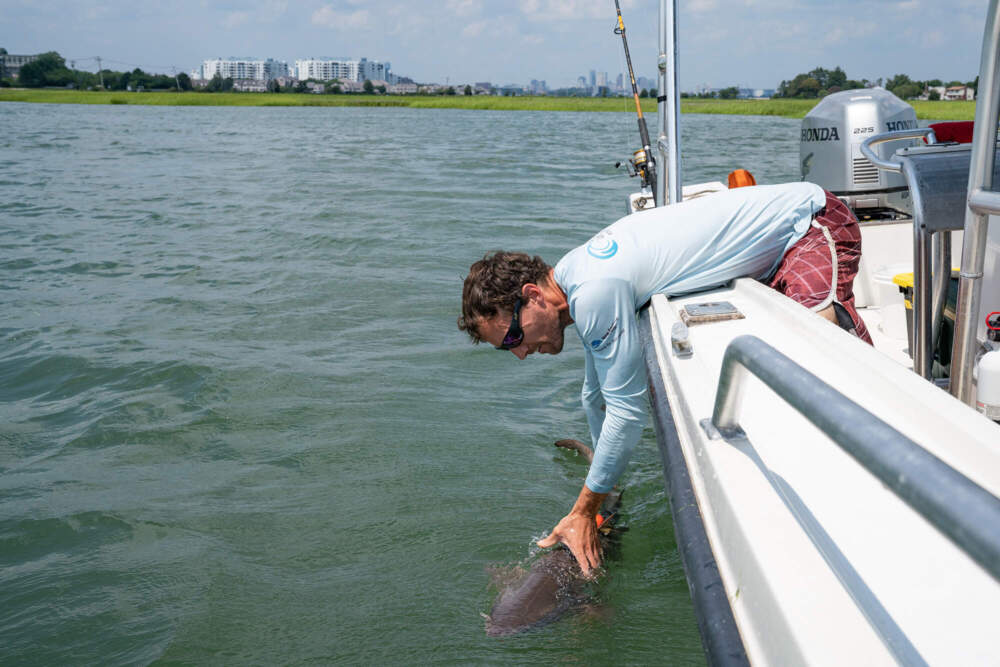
{"x": 830, "y": 149}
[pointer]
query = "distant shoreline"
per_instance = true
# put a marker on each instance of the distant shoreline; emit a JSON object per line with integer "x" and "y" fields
{"x": 776, "y": 107}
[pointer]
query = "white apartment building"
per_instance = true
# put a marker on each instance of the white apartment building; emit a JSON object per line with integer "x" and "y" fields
{"x": 325, "y": 69}
{"x": 234, "y": 68}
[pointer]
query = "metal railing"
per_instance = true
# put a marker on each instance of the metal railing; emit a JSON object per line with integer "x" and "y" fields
{"x": 928, "y": 300}
{"x": 958, "y": 507}
{"x": 982, "y": 202}
{"x": 889, "y": 165}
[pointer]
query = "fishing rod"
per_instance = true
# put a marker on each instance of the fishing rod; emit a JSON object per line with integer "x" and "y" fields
{"x": 642, "y": 160}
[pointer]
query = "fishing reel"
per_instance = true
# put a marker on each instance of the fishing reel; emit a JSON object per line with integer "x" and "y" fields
{"x": 640, "y": 166}
{"x": 637, "y": 166}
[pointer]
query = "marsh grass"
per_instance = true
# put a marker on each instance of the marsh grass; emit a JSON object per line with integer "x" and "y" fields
{"x": 941, "y": 110}
{"x": 778, "y": 107}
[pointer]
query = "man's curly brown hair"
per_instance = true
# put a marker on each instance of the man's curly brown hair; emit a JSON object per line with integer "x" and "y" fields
{"x": 494, "y": 283}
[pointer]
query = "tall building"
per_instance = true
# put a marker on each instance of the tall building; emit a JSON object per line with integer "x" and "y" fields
{"x": 602, "y": 80}
{"x": 235, "y": 68}
{"x": 325, "y": 69}
{"x": 593, "y": 78}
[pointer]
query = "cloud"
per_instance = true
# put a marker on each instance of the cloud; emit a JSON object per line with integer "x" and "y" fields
{"x": 492, "y": 27}
{"x": 700, "y": 6}
{"x": 98, "y": 12}
{"x": 933, "y": 38}
{"x": 328, "y": 17}
{"x": 567, "y": 10}
{"x": 403, "y": 21}
{"x": 271, "y": 10}
{"x": 268, "y": 11}
{"x": 465, "y": 7}
{"x": 474, "y": 29}
{"x": 235, "y": 19}
{"x": 835, "y": 36}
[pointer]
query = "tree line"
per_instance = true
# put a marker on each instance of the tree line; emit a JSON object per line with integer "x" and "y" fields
{"x": 49, "y": 69}
{"x": 730, "y": 93}
{"x": 821, "y": 82}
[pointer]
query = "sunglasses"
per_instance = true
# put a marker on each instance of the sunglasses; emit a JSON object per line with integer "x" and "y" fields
{"x": 514, "y": 334}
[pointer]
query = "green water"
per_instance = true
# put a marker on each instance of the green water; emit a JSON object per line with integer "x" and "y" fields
{"x": 238, "y": 424}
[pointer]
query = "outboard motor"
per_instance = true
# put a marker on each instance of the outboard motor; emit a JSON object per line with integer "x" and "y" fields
{"x": 830, "y": 150}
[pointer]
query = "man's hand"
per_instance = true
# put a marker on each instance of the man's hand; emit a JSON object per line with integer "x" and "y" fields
{"x": 578, "y": 531}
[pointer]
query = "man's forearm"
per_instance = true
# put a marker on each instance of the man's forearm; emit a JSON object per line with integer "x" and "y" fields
{"x": 621, "y": 432}
{"x": 588, "y": 503}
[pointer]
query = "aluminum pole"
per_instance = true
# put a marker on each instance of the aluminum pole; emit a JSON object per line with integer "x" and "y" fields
{"x": 669, "y": 108}
{"x": 963, "y": 354}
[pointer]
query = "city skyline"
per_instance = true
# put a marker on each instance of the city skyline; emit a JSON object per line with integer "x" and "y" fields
{"x": 555, "y": 40}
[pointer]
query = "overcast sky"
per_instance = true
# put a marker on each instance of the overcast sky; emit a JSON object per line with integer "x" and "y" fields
{"x": 752, "y": 43}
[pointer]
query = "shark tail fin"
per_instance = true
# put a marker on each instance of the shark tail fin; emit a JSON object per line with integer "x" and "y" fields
{"x": 576, "y": 445}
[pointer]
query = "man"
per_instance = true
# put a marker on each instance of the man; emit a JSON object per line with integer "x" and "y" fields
{"x": 799, "y": 238}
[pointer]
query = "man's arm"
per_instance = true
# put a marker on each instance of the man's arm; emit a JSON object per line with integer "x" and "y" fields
{"x": 607, "y": 322}
{"x": 605, "y": 318}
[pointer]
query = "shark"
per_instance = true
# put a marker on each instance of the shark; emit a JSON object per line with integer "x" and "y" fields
{"x": 554, "y": 584}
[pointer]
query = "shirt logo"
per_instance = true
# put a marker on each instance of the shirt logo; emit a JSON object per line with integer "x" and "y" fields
{"x": 598, "y": 343}
{"x": 602, "y": 246}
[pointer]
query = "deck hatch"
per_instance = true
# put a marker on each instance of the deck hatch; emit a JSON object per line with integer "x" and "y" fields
{"x": 710, "y": 311}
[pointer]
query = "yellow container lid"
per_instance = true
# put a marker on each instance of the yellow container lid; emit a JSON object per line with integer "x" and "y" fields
{"x": 903, "y": 279}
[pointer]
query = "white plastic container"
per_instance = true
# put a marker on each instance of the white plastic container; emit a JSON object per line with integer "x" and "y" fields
{"x": 889, "y": 301}
{"x": 988, "y": 386}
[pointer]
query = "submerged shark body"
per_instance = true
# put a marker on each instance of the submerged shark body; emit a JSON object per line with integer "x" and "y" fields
{"x": 554, "y": 584}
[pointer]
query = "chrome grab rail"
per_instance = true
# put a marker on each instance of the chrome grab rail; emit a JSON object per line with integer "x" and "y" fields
{"x": 958, "y": 507}
{"x": 981, "y": 201}
{"x": 985, "y": 202}
{"x": 886, "y": 165}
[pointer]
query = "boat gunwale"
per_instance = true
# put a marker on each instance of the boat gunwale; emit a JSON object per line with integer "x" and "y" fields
{"x": 720, "y": 634}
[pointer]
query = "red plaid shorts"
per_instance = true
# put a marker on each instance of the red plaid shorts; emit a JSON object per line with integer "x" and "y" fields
{"x": 804, "y": 272}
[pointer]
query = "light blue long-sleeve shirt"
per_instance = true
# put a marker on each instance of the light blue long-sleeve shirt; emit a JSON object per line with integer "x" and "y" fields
{"x": 672, "y": 250}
